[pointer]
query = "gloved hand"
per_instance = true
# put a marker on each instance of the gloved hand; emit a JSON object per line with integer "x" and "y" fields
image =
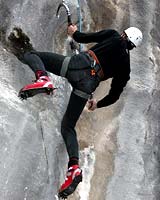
{"x": 71, "y": 29}
{"x": 92, "y": 104}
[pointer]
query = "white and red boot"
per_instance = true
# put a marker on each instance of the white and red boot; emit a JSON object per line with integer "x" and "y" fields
{"x": 41, "y": 85}
{"x": 73, "y": 178}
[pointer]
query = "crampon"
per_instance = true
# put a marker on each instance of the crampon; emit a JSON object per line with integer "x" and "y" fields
{"x": 24, "y": 94}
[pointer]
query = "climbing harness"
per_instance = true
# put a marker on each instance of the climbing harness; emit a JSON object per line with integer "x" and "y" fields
{"x": 64, "y": 67}
{"x": 96, "y": 68}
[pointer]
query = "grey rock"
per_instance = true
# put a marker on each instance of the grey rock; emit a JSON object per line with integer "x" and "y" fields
{"x": 119, "y": 144}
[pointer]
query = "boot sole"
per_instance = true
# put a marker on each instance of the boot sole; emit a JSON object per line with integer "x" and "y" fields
{"x": 68, "y": 191}
{"x": 32, "y": 92}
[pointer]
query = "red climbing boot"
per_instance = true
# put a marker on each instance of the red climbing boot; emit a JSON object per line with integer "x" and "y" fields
{"x": 41, "y": 85}
{"x": 73, "y": 178}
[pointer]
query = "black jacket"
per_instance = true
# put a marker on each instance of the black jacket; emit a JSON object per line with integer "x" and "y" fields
{"x": 111, "y": 50}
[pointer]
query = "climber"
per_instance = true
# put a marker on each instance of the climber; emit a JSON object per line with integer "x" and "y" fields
{"x": 108, "y": 58}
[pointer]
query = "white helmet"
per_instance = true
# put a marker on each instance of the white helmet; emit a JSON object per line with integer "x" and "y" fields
{"x": 134, "y": 35}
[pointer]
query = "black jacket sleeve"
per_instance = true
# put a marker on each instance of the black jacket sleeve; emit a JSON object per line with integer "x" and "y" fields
{"x": 92, "y": 37}
{"x": 117, "y": 86}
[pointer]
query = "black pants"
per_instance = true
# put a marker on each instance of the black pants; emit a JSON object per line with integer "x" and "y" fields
{"x": 52, "y": 63}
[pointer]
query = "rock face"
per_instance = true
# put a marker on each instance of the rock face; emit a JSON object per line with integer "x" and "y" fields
{"x": 119, "y": 144}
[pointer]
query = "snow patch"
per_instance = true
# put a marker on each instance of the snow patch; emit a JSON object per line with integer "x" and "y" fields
{"x": 89, "y": 157}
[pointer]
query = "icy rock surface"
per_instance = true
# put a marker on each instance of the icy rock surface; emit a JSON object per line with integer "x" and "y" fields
{"x": 119, "y": 144}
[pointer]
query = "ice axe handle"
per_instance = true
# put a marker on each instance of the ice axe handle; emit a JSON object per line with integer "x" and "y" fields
{"x": 69, "y": 20}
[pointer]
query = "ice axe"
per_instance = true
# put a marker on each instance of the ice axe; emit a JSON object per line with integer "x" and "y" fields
{"x": 63, "y": 4}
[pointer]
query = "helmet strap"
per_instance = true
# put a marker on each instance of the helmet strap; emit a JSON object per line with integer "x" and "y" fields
{"x": 130, "y": 45}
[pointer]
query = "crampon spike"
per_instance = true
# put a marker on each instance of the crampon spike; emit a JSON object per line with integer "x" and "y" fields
{"x": 60, "y": 198}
